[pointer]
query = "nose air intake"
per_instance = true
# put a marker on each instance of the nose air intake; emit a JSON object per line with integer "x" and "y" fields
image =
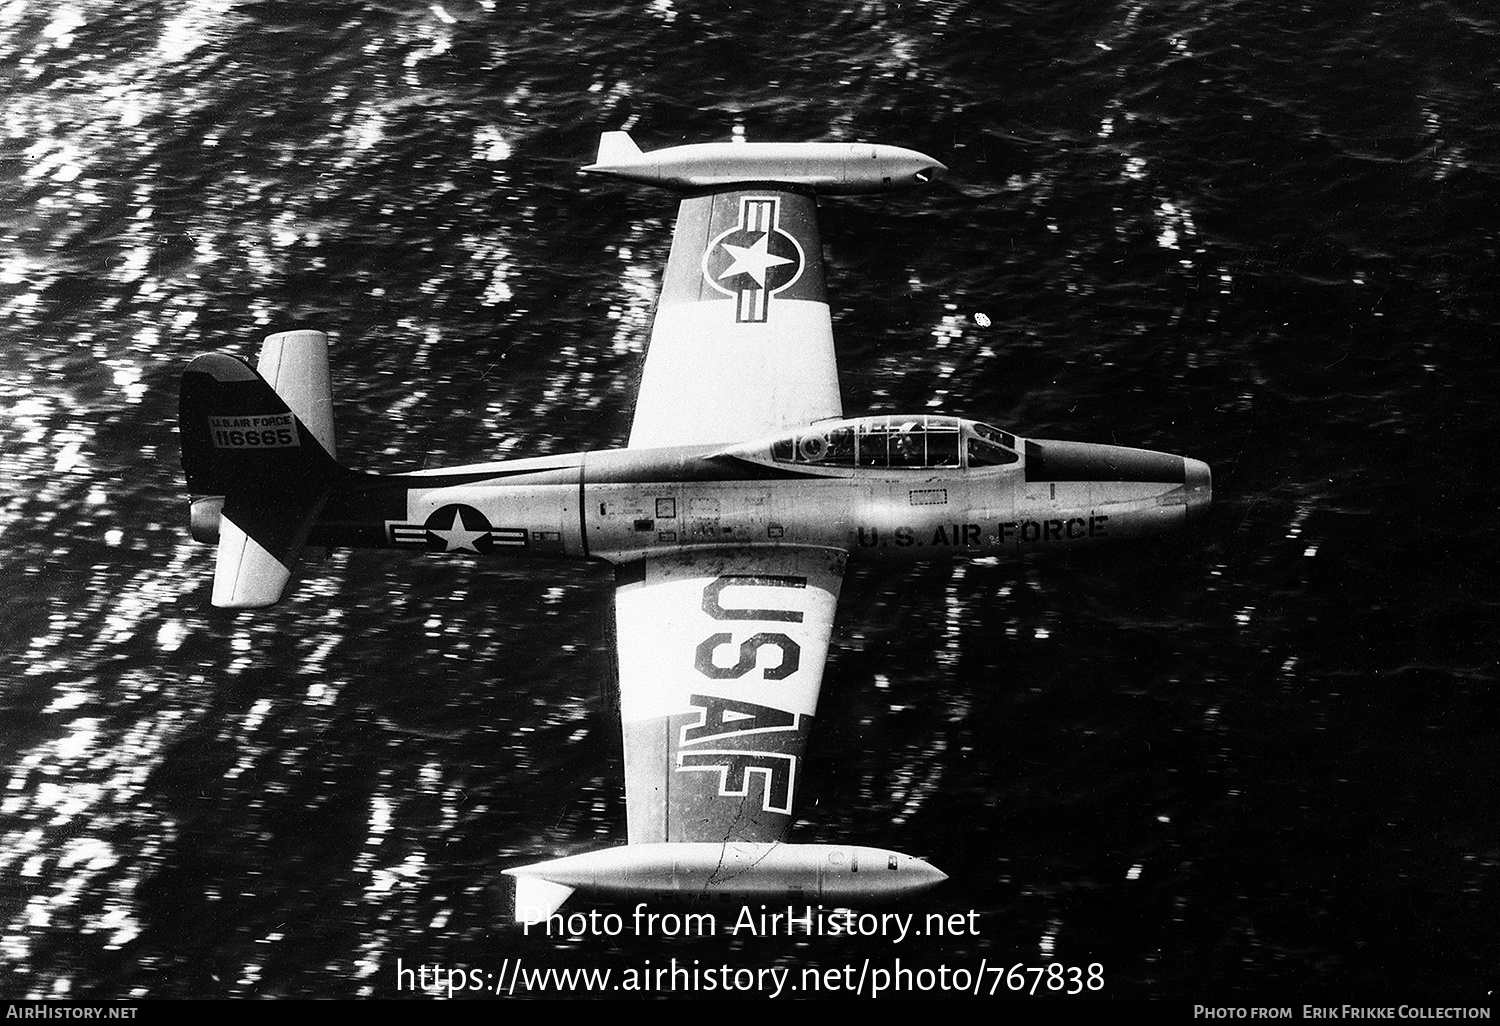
{"x": 931, "y": 173}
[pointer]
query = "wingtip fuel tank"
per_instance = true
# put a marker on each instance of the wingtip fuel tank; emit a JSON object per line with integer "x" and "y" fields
{"x": 737, "y": 870}
{"x": 819, "y": 166}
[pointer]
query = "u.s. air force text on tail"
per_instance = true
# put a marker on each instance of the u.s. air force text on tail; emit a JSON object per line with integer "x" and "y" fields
{"x": 761, "y": 921}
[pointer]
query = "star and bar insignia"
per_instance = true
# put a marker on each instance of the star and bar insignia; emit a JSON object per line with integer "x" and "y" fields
{"x": 754, "y": 260}
{"x": 456, "y": 528}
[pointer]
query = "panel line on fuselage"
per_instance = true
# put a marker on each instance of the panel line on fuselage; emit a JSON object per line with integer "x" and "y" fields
{"x": 583, "y": 523}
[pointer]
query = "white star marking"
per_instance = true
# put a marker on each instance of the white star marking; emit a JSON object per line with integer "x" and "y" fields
{"x": 457, "y": 536}
{"x": 753, "y": 260}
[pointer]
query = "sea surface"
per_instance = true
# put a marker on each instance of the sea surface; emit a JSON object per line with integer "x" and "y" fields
{"x": 1258, "y": 762}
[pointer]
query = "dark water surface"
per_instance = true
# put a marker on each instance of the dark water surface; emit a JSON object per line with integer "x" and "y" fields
{"x": 1258, "y": 762}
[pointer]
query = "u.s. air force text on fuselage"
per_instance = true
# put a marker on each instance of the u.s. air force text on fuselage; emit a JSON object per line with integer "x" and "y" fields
{"x": 729, "y": 516}
{"x": 920, "y": 486}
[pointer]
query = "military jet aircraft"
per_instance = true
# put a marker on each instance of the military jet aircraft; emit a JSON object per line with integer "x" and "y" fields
{"x": 729, "y": 517}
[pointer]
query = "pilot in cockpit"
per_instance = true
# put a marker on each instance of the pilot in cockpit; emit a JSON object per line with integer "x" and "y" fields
{"x": 906, "y": 446}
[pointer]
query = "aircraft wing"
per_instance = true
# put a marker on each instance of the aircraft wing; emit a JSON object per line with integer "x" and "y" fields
{"x": 721, "y": 658}
{"x": 742, "y": 345}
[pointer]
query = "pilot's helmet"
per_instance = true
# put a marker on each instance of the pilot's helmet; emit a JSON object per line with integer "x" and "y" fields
{"x": 812, "y": 447}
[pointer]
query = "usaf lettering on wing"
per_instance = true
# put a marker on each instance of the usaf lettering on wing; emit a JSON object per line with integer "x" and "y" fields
{"x": 725, "y": 720}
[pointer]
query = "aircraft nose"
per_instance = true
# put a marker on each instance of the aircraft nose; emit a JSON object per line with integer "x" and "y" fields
{"x": 1200, "y": 487}
{"x": 924, "y": 875}
{"x": 931, "y": 172}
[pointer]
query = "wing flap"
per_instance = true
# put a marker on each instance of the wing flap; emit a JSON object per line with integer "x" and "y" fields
{"x": 721, "y": 660}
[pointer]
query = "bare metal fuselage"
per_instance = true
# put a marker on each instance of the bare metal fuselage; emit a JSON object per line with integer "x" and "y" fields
{"x": 627, "y": 504}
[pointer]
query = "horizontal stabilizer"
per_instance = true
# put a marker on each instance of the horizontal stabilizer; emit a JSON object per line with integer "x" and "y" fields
{"x": 295, "y": 364}
{"x": 247, "y": 575}
{"x": 259, "y": 546}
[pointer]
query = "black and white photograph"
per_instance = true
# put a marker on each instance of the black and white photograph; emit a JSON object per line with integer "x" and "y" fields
{"x": 699, "y": 499}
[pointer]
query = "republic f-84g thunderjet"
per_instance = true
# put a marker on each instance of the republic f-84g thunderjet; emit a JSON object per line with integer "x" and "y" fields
{"x": 729, "y": 517}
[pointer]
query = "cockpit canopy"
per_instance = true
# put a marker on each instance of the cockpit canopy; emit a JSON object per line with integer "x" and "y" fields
{"x": 902, "y": 442}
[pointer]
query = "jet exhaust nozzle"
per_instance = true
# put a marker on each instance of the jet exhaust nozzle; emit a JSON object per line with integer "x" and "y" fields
{"x": 203, "y": 518}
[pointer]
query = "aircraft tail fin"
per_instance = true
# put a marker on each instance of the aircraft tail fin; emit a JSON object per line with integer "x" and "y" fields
{"x": 616, "y": 148}
{"x": 537, "y": 898}
{"x": 257, "y": 468}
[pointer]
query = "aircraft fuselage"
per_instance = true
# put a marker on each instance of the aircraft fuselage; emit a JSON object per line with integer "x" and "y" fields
{"x": 625, "y": 504}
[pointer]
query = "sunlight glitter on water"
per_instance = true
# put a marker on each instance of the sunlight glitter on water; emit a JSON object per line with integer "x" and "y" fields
{"x": 636, "y": 301}
{"x": 490, "y": 144}
{"x": 191, "y": 28}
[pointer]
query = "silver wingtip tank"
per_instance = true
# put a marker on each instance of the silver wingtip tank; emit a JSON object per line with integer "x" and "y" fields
{"x": 735, "y": 870}
{"x": 818, "y": 166}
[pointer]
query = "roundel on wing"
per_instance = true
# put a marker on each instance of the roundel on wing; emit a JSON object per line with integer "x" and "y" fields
{"x": 744, "y": 258}
{"x": 458, "y": 528}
